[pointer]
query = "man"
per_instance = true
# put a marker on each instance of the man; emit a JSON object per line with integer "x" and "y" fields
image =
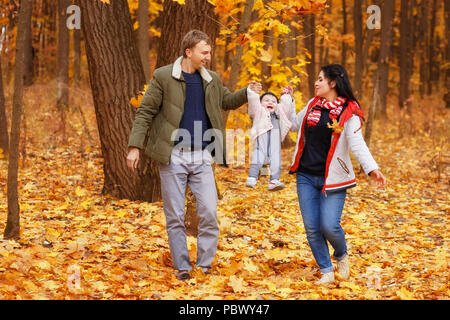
{"x": 182, "y": 103}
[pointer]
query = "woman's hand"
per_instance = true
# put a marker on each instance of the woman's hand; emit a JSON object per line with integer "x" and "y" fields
{"x": 287, "y": 90}
{"x": 378, "y": 177}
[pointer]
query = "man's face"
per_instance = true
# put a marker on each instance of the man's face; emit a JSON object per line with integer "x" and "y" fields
{"x": 269, "y": 102}
{"x": 200, "y": 55}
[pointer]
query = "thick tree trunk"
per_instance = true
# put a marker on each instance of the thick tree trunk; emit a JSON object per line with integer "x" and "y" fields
{"x": 143, "y": 38}
{"x": 357, "y": 29}
{"x": 387, "y": 16}
{"x": 12, "y": 230}
{"x": 177, "y": 20}
{"x": 4, "y": 138}
{"x": 116, "y": 75}
{"x": 63, "y": 65}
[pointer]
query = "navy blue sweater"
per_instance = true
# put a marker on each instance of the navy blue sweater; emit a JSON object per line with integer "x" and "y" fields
{"x": 194, "y": 110}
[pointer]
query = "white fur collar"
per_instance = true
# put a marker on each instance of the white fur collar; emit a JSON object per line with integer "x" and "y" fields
{"x": 176, "y": 71}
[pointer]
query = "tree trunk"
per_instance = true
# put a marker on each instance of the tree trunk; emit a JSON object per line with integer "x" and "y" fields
{"x": 76, "y": 57}
{"x": 403, "y": 54}
{"x": 116, "y": 75}
{"x": 29, "y": 58}
{"x": 310, "y": 44}
{"x": 195, "y": 14}
{"x": 431, "y": 51}
{"x": 143, "y": 38}
{"x": 372, "y": 108}
{"x": 63, "y": 65}
{"x": 357, "y": 25}
{"x": 239, "y": 50}
{"x": 422, "y": 50}
{"x": 4, "y": 138}
{"x": 344, "y": 32}
{"x": 12, "y": 230}
{"x": 387, "y": 16}
{"x": 236, "y": 61}
{"x": 177, "y": 20}
{"x": 447, "y": 53}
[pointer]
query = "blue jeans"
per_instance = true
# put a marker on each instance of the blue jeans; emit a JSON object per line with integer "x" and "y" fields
{"x": 321, "y": 217}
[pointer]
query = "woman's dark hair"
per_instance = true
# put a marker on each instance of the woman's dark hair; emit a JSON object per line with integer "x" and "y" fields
{"x": 338, "y": 73}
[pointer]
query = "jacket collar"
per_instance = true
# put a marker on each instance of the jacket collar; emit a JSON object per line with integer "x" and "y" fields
{"x": 176, "y": 71}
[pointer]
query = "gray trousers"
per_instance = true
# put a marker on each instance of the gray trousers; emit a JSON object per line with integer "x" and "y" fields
{"x": 267, "y": 150}
{"x": 193, "y": 169}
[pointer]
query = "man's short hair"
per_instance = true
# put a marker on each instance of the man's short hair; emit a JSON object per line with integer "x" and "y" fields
{"x": 191, "y": 39}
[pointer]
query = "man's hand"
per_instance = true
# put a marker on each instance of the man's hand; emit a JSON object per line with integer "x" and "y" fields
{"x": 133, "y": 158}
{"x": 255, "y": 87}
{"x": 287, "y": 90}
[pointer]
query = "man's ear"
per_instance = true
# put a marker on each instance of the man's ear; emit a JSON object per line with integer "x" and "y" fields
{"x": 188, "y": 52}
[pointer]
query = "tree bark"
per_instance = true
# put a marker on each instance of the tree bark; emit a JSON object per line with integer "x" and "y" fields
{"x": 236, "y": 61}
{"x": 143, "y": 38}
{"x": 431, "y": 51}
{"x": 372, "y": 108}
{"x": 403, "y": 54}
{"x": 63, "y": 65}
{"x": 177, "y": 20}
{"x": 116, "y": 75}
{"x": 447, "y": 53}
{"x": 4, "y": 138}
{"x": 422, "y": 50}
{"x": 387, "y": 16}
{"x": 12, "y": 230}
{"x": 357, "y": 25}
{"x": 76, "y": 57}
{"x": 344, "y": 32}
{"x": 29, "y": 58}
{"x": 310, "y": 44}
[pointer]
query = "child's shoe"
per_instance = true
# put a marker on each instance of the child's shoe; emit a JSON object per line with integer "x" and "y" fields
{"x": 275, "y": 185}
{"x": 251, "y": 182}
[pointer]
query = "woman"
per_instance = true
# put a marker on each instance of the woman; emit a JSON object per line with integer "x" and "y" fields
{"x": 329, "y": 127}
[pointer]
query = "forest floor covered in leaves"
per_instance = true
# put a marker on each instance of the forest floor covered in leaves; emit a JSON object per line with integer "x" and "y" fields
{"x": 77, "y": 244}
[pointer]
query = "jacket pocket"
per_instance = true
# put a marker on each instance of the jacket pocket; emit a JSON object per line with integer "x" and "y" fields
{"x": 343, "y": 165}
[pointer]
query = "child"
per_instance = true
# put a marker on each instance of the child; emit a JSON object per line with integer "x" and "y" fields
{"x": 270, "y": 125}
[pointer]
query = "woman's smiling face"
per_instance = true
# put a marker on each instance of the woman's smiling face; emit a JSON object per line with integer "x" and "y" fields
{"x": 323, "y": 86}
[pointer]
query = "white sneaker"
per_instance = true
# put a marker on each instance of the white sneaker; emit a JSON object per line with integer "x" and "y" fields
{"x": 327, "y": 278}
{"x": 343, "y": 268}
{"x": 251, "y": 182}
{"x": 275, "y": 185}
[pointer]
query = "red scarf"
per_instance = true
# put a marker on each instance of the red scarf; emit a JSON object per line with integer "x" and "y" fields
{"x": 335, "y": 108}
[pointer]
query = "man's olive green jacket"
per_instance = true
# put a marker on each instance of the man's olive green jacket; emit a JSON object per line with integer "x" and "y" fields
{"x": 162, "y": 107}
